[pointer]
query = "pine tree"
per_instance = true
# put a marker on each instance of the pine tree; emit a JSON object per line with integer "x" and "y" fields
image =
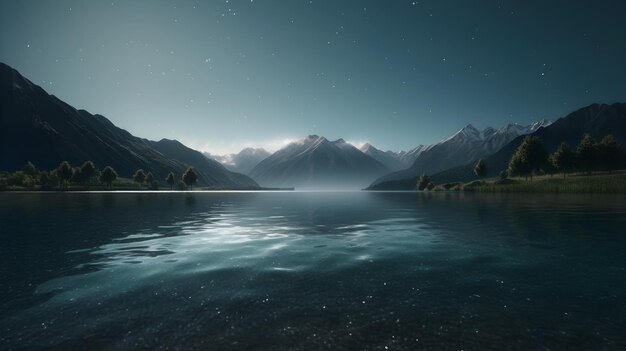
{"x": 190, "y": 177}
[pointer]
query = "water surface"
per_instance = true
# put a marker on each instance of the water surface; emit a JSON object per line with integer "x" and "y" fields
{"x": 302, "y": 271}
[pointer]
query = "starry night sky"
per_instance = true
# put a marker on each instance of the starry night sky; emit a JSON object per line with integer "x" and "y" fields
{"x": 219, "y": 75}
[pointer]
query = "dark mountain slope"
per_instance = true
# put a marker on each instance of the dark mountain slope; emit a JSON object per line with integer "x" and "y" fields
{"x": 38, "y": 127}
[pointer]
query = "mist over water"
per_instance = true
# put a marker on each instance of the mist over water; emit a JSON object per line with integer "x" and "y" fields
{"x": 312, "y": 270}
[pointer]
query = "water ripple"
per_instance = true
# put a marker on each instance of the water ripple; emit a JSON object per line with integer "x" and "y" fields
{"x": 311, "y": 271}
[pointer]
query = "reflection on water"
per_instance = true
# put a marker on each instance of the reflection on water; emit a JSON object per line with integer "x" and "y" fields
{"x": 312, "y": 270}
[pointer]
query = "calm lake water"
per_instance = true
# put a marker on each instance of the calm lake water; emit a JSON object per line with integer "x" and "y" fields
{"x": 306, "y": 271}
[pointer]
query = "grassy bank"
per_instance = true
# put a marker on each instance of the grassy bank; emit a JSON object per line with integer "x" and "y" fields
{"x": 599, "y": 182}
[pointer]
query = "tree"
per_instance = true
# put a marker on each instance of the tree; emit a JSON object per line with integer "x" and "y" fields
{"x": 610, "y": 154}
{"x": 150, "y": 182}
{"x": 108, "y": 175}
{"x": 149, "y": 178}
{"x": 139, "y": 177}
{"x": 77, "y": 177}
{"x": 190, "y": 177}
{"x": 46, "y": 180}
{"x": 504, "y": 174}
{"x": 88, "y": 171}
{"x": 64, "y": 173}
{"x": 170, "y": 180}
{"x": 529, "y": 157}
{"x": 586, "y": 153}
{"x": 518, "y": 166}
{"x": 480, "y": 169}
{"x": 30, "y": 169}
{"x": 423, "y": 181}
{"x": 563, "y": 159}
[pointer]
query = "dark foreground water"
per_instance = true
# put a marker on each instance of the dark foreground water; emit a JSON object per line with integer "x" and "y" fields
{"x": 307, "y": 271}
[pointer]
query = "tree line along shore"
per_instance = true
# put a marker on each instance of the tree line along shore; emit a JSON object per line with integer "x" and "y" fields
{"x": 88, "y": 177}
{"x": 592, "y": 167}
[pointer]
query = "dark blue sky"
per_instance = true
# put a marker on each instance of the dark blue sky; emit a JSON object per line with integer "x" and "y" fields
{"x": 219, "y": 75}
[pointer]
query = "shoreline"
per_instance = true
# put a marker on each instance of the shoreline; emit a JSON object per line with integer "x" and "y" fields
{"x": 575, "y": 183}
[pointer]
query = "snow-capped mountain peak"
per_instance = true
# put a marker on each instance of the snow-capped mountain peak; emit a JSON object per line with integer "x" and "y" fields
{"x": 367, "y": 146}
{"x": 539, "y": 124}
{"x": 316, "y": 162}
{"x": 469, "y": 143}
{"x": 469, "y": 132}
{"x": 243, "y": 161}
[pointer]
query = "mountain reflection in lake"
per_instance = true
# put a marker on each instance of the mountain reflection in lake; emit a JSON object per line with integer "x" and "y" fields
{"x": 312, "y": 270}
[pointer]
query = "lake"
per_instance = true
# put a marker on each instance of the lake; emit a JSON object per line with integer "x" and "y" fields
{"x": 312, "y": 270}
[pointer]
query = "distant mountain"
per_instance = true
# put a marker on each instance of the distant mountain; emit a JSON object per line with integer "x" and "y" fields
{"x": 241, "y": 162}
{"x": 408, "y": 157}
{"x": 38, "y": 127}
{"x": 390, "y": 159}
{"x": 597, "y": 120}
{"x": 468, "y": 143}
{"x": 315, "y": 162}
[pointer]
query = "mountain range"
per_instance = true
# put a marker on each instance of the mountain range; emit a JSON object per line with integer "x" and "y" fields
{"x": 597, "y": 120}
{"x": 315, "y": 162}
{"x": 390, "y": 159}
{"x": 243, "y": 161}
{"x": 40, "y": 128}
{"x": 469, "y": 143}
{"x": 408, "y": 157}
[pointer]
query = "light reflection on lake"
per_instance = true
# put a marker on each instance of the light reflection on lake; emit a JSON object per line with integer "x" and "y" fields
{"x": 347, "y": 270}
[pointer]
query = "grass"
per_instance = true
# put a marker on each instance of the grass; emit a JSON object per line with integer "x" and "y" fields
{"x": 598, "y": 182}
